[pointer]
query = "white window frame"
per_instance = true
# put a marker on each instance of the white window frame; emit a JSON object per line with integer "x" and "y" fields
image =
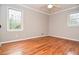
{"x": 70, "y": 20}
{"x": 8, "y": 29}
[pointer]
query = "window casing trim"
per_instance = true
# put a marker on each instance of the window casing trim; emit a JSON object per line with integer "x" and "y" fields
{"x": 8, "y": 29}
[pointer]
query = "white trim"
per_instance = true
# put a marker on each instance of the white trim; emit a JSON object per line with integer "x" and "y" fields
{"x": 64, "y": 37}
{"x": 8, "y": 18}
{"x": 34, "y": 9}
{"x": 49, "y": 13}
{"x": 65, "y": 10}
{"x": 39, "y": 36}
{"x": 21, "y": 39}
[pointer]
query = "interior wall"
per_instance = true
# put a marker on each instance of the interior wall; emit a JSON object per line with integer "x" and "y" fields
{"x": 35, "y": 24}
{"x": 0, "y": 21}
{"x": 38, "y": 24}
{"x": 58, "y": 25}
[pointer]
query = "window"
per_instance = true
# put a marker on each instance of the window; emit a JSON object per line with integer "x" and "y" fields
{"x": 14, "y": 20}
{"x": 74, "y": 19}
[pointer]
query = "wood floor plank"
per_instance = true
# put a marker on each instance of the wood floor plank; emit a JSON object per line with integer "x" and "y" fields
{"x": 41, "y": 46}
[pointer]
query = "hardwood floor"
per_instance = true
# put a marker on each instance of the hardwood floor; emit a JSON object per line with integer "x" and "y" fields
{"x": 41, "y": 46}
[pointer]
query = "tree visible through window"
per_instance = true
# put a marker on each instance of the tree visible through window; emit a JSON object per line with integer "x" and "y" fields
{"x": 14, "y": 20}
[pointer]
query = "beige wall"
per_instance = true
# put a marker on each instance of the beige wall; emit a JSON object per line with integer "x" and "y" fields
{"x": 58, "y": 25}
{"x": 34, "y": 24}
{"x": 0, "y": 21}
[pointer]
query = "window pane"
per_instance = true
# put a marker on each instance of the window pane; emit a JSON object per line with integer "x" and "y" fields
{"x": 14, "y": 21}
{"x": 74, "y": 19}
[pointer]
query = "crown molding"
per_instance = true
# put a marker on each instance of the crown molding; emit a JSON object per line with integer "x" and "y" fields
{"x": 65, "y": 10}
{"x": 48, "y": 13}
{"x": 34, "y": 9}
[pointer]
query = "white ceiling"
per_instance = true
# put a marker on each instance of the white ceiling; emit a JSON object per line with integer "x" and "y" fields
{"x": 56, "y": 8}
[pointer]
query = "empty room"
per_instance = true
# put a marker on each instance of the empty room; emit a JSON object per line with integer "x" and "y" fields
{"x": 39, "y": 29}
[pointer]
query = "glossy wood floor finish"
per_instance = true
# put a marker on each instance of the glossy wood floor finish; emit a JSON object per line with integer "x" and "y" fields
{"x": 41, "y": 46}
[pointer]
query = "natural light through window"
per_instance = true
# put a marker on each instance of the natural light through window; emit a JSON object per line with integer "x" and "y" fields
{"x": 74, "y": 19}
{"x": 14, "y": 20}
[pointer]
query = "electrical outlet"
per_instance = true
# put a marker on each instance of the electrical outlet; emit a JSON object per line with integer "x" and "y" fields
{"x": 42, "y": 33}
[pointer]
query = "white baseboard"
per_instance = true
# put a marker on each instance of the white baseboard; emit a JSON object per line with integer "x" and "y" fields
{"x": 37, "y": 37}
{"x": 21, "y": 39}
{"x": 64, "y": 37}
